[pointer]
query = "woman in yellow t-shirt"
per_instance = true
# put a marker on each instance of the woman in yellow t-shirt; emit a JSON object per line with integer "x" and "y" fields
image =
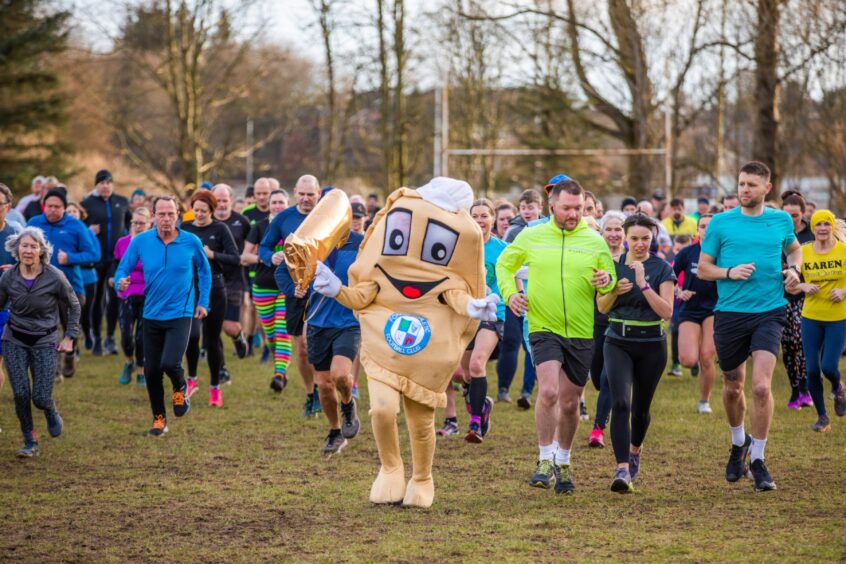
{"x": 824, "y": 312}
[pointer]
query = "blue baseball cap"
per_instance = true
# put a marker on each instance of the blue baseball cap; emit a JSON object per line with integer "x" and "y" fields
{"x": 555, "y": 180}
{"x": 206, "y": 185}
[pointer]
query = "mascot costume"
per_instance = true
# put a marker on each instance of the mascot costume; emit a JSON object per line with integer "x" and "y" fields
{"x": 418, "y": 289}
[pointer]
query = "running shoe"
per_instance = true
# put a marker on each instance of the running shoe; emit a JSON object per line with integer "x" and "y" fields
{"x": 89, "y": 341}
{"x": 596, "y": 438}
{"x": 622, "y": 482}
{"x": 141, "y": 380}
{"x": 97, "y": 348}
{"x": 737, "y": 466}
{"x": 308, "y": 407}
{"x": 524, "y": 401}
{"x": 583, "y": 412}
{"x": 763, "y": 481}
{"x": 215, "y": 397}
{"x": 181, "y": 402}
{"x": 450, "y": 428}
{"x": 203, "y": 353}
{"x": 474, "y": 433}
{"x": 109, "y": 346}
{"x": 465, "y": 392}
{"x": 823, "y": 424}
{"x": 240, "y": 345}
{"x": 634, "y": 465}
{"x": 805, "y": 399}
{"x": 265, "y": 355}
{"x": 192, "y": 386}
{"x": 840, "y": 402}
{"x": 225, "y": 377}
{"x": 503, "y": 395}
{"x": 29, "y": 449}
{"x": 350, "y": 424}
{"x": 54, "y": 422}
{"x": 486, "y": 415}
{"x": 676, "y": 370}
{"x": 334, "y": 443}
{"x": 694, "y": 372}
{"x": 563, "y": 479}
{"x": 278, "y": 383}
{"x": 315, "y": 404}
{"x": 58, "y": 378}
{"x": 126, "y": 373}
{"x": 544, "y": 473}
{"x": 704, "y": 408}
{"x": 794, "y": 404}
{"x": 69, "y": 364}
{"x": 159, "y": 427}
{"x": 355, "y": 391}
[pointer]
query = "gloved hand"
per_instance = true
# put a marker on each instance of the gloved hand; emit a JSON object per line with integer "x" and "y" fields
{"x": 325, "y": 281}
{"x": 484, "y": 309}
{"x": 522, "y": 273}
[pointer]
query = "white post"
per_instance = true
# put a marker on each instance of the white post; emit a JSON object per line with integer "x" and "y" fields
{"x": 445, "y": 127}
{"x": 249, "y": 151}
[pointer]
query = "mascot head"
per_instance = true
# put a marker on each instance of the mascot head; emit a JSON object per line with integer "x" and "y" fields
{"x": 422, "y": 243}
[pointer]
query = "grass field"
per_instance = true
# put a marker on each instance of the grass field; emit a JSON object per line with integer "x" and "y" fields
{"x": 247, "y": 482}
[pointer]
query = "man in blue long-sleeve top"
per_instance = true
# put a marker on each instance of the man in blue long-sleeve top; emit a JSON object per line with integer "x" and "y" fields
{"x": 73, "y": 245}
{"x": 169, "y": 257}
{"x": 306, "y": 194}
{"x": 333, "y": 339}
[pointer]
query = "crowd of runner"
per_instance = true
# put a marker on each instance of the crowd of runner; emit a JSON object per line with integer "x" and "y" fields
{"x": 589, "y": 295}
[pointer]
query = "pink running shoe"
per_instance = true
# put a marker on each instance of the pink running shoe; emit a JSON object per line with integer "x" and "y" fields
{"x": 215, "y": 397}
{"x": 192, "y": 386}
{"x": 805, "y": 400}
{"x": 597, "y": 438}
{"x": 794, "y": 404}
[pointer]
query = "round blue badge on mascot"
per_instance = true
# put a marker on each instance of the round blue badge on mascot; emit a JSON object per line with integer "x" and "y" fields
{"x": 407, "y": 334}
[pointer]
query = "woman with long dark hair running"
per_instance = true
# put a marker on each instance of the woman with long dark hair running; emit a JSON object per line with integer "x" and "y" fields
{"x": 824, "y": 312}
{"x": 131, "y": 308}
{"x": 635, "y": 343}
{"x": 222, "y": 253}
{"x": 611, "y": 229}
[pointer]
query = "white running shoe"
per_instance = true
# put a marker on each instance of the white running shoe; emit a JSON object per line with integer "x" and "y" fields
{"x": 704, "y": 408}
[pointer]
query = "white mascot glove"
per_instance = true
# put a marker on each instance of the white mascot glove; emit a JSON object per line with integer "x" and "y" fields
{"x": 325, "y": 281}
{"x": 522, "y": 273}
{"x": 484, "y": 309}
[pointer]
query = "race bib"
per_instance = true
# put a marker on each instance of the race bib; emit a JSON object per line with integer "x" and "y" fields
{"x": 407, "y": 334}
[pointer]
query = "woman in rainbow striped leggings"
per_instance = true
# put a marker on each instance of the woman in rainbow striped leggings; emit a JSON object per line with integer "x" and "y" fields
{"x": 269, "y": 301}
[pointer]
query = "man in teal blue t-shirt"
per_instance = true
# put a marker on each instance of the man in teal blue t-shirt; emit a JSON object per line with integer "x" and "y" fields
{"x": 743, "y": 254}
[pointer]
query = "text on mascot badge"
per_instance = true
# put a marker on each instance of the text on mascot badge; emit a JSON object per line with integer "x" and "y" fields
{"x": 407, "y": 334}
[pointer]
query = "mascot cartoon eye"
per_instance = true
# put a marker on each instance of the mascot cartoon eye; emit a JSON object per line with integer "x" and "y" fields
{"x": 439, "y": 243}
{"x": 397, "y": 232}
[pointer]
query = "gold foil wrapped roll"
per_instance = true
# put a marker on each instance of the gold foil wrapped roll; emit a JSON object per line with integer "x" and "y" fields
{"x": 326, "y": 228}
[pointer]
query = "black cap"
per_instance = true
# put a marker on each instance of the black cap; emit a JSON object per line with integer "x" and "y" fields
{"x": 101, "y": 176}
{"x": 659, "y": 195}
{"x": 358, "y": 209}
{"x": 702, "y": 200}
{"x": 628, "y": 201}
{"x": 57, "y": 193}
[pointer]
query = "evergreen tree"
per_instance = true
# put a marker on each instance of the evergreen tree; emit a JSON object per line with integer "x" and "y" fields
{"x": 32, "y": 106}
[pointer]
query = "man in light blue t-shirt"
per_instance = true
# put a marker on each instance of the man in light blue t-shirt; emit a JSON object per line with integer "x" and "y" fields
{"x": 743, "y": 254}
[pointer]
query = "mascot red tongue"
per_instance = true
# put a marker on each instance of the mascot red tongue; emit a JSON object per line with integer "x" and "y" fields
{"x": 419, "y": 273}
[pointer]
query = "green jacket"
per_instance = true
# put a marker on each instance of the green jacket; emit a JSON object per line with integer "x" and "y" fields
{"x": 561, "y": 266}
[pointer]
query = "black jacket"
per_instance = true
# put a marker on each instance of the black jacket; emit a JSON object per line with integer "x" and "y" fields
{"x": 34, "y": 313}
{"x": 98, "y": 214}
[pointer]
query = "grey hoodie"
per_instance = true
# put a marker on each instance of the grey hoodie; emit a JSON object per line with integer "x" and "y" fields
{"x": 36, "y": 311}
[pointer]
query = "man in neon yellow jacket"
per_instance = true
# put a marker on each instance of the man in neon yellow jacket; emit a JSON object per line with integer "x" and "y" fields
{"x": 568, "y": 263}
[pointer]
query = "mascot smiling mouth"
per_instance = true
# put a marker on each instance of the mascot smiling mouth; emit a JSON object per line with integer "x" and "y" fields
{"x": 411, "y": 290}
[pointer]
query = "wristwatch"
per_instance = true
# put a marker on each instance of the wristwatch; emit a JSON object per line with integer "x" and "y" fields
{"x": 795, "y": 269}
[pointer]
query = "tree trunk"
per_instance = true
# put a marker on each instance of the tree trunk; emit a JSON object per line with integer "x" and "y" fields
{"x": 385, "y": 100}
{"x": 765, "y": 143}
{"x": 400, "y": 113}
{"x": 330, "y": 158}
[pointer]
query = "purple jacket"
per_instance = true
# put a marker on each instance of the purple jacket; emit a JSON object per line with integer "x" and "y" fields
{"x": 136, "y": 276}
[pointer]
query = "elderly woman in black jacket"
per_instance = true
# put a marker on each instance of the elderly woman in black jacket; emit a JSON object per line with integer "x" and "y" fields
{"x": 35, "y": 292}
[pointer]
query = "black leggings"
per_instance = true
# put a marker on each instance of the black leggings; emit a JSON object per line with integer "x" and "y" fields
{"x": 211, "y": 327}
{"x": 90, "y": 295}
{"x": 131, "y": 323}
{"x": 105, "y": 301}
{"x": 164, "y": 346}
{"x": 634, "y": 370}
